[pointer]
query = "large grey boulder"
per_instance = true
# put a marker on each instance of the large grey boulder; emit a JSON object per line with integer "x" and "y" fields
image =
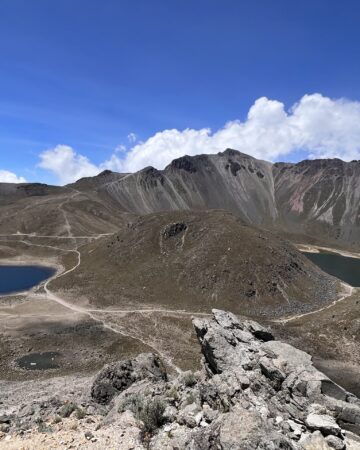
{"x": 315, "y": 441}
{"x": 115, "y": 378}
{"x": 324, "y": 423}
{"x": 349, "y": 417}
{"x": 243, "y": 429}
{"x": 227, "y": 343}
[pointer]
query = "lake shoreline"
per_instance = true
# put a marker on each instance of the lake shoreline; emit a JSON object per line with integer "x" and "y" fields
{"x": 27, "y": 261}
{"x": 20, "y": 278}
{"x": 309, "y": 248}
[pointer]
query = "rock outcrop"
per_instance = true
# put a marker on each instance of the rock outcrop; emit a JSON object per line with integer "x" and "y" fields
{"x": 116, "y": 377}
{"x": 254, "y": 393}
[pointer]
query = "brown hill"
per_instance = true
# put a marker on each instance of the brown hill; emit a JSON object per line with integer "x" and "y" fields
{"x": 195, "y": 261}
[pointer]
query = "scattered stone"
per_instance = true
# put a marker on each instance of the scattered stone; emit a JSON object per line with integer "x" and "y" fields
{"x": 5, "y": 419}
{"x": 88, "y": 435}
{"x": 335, "y": 442}
{"x": 296, "y": 428}
{"x": 314, "y": 441}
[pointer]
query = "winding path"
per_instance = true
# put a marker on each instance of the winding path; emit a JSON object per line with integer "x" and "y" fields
{"x": 338, "y": 300}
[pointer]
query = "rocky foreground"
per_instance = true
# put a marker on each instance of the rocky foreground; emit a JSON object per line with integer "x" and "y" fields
{"x": 253, "y": 393}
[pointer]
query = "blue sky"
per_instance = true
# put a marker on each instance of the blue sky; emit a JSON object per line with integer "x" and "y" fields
{"x": 77, "y": 77}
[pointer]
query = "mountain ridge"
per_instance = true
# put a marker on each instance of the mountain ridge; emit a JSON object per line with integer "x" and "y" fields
{"x": 319, "y": 198}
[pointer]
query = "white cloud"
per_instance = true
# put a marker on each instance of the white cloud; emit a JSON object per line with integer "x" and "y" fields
{"x": 69, "y": 166}
{"x": 66, "y": 164}
{"x": 121, "y": 149}
{"x": 323, "y": 127}
{"x": 10, "y": 177}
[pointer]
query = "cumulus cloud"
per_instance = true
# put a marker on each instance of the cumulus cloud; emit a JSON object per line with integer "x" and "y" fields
{"x": 318, "y": 125}
{"x": 10, "y": 177}
{"x": 66, "y": 164}
{"x": 322, "y": 127}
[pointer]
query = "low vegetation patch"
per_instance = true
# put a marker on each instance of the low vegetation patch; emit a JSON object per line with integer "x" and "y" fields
{"x": 189, "y": 379}
{"x": 150, "y": 411}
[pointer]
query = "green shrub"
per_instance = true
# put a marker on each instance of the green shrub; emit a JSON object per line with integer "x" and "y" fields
{"x": 172, "y": 394}
{"x": 152, "y": 415}
{"x": 133, "y": 403}
{"x": 189, "y": 379}
{"x": 190, "y": 399}
{"x": 42, "y": 427}
{"x": 149, "y": 410}
{"x": 67, "y": 409}
{"x": 80, "y": 413}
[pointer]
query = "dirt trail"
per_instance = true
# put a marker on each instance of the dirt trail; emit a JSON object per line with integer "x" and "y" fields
{"x": 349, "y": 290}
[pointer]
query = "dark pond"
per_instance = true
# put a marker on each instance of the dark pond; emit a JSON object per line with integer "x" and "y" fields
{"x": 39, "y": 361}
{"x": 21, "y": 278}
{"x": 342, "y": 267}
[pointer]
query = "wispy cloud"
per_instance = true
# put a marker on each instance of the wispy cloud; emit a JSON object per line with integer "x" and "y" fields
{"x": 132, "y": 138}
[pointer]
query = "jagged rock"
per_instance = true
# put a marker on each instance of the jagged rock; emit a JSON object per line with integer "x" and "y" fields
{"x": 282, "y": 381}
{"x": 260, "y": 332}
{"x": 349, "y": 418}
{"x": 296, "y": 428}
{"x": 187, "y": 416}
{"x": 116, "y": 377}
{"x": 271, "y": 371}
{"x": 226, "y": 320}
{"x": 286, "y": 356}
{"x": 335, "y": 442}
{"x": 324, "y": 423}
{"x": 246, "y": 430}
{"x": 314, "y": 441}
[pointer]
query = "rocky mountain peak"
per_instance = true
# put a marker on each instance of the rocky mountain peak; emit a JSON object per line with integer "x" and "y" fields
{"x": 105, "y": 173}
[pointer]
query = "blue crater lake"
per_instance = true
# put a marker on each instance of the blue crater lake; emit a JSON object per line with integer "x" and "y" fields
{"x": 342, "y": 267}
{"x": 21, "y": 278}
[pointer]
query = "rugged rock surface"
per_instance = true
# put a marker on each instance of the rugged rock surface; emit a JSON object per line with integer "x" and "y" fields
{"x": 117, "y": 377}
{"x": 254, "y": 393}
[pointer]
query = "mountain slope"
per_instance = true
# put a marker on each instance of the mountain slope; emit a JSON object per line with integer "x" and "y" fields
{"x": 229, "y": 180}
{"x": 319, "y": 197}
{"x": 194, "y": 261}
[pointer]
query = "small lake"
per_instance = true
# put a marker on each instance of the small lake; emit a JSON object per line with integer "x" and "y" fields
{"x": 39, "y": 361}
{"x": 21, "y": 278}
{"x": 342, "y": 267}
